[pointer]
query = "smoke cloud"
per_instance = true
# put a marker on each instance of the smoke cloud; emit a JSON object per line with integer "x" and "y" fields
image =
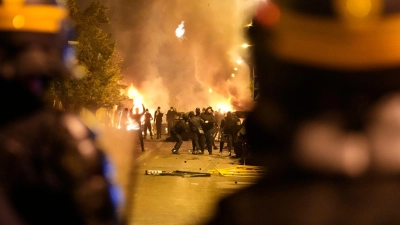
{"x": 197, "y": 70}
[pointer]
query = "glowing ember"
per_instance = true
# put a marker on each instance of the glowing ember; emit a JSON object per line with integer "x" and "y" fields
{"x": 180, "y": 31}
{"x": 245, "y": 45}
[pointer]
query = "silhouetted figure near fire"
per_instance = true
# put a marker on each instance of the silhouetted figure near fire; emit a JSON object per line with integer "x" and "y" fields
{"x": 326, "y": 125}
{"x": 51, "y": 169}
{"x": 171, "y": 114}
{"x": 208, "y": 127}
{"x": 197, "y": 132}
{"x": 137, "y": 118}
{"x": 147, "y": 124}
{"x": 218, "y": 118}
{"x": 228, "y": 125}
{"x": 176, "y": 132}
{"x": 158, "y": 115}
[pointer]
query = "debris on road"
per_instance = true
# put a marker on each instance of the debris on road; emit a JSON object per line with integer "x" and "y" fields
{"x": 177, "y": 173}
{"x": 240, "y": 171}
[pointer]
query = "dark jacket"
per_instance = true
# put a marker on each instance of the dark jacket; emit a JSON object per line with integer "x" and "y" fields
{"x": 179, "y": 127}
{"x": 158, "y": 116}
{"x": 148, "y": 117}
{"x": 171, "y": 115}
{"x": 228, "y": 124}
{"x": 208, "y": 121}
{"x": 195, "y": 124}
{"x": 304, "y": 198}
{"x": 48, "y": 174}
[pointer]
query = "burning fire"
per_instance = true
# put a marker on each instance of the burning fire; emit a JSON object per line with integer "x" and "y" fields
{"x": 224, "y": 108}
{"x": 137, "y": 101}
{"x": 180, "y": 31}
{"x": 134, "y": 94}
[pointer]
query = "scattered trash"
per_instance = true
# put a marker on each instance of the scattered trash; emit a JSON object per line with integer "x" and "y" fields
{"x": 153, "y": 172}
{"x": 177, "y": 173}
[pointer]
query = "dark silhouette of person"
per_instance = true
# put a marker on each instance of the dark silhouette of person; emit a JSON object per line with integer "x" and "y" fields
{"x": 147, "y": 124}
{"x": 208, "y": 126}
{"x": 51, "y": 170}
{"x": 158, "y": 115}
{"x": 137, "y": 118}
{"x": 194, "y": 126}
{"x": 176, "y": 132}
{"x": 171, "y": 114}
{"x": 326, "y": 124}
{"x": 228, "y": 125}
{"x": 218, "y": 118}
{"x": 201, "y": 136}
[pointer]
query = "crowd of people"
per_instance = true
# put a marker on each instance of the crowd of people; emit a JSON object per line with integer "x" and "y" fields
{"x": 204, "y": 127}
{"x": 208, "y": 126}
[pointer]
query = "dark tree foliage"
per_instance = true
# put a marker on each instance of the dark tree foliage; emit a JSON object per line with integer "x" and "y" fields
{"x": 96, "y": 58}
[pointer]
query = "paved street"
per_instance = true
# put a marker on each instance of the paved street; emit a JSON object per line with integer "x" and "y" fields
{"x": 173, "y": 200}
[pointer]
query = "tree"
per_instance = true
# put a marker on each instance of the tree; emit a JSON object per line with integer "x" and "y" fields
{"x": 96, "y": 54}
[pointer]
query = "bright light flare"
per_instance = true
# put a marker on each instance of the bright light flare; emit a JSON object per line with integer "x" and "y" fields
{"x": 233, "y": 75}
{"x": 210, "y": 90}
{"x": 245, "y": 45}
{"x": 239, "y": 61}
{"x": 249, "y": 24}
{"x": 180, "y": 31}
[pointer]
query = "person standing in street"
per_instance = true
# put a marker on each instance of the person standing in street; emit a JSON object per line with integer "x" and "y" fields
{"x": 208, "y": 128}
{"x": 171, "y": 114}
{"x": 158, "y": 115}
{"x": 218, "y": 118}
{"x": 147, "y": 124}
{"x": 51, "y": 168}
{"x": 176, "y": 132}
{"x": 195, "y": 129}
{"x": 137, "y": 118}
{"x": 228, "y": 125}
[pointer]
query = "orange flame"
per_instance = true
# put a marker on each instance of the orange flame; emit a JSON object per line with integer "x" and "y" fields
{"x": 224, "y": 108}
{"x": 134, "y": 94}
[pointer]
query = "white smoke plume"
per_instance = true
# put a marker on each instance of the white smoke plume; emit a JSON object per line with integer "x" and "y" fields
{"x": 197, "y": 70}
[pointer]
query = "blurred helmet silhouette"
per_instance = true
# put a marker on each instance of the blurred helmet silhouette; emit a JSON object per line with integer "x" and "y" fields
{"x": 34, "y": 38}
{"x": 320, "y": 59}
{"x": 185, "y": 116}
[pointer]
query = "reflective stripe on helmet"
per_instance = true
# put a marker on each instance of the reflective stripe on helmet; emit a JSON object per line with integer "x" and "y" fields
{"x": 34, "y": 18}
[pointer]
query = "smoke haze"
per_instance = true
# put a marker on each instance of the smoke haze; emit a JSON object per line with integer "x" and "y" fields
{"x": 194, "y": 71}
